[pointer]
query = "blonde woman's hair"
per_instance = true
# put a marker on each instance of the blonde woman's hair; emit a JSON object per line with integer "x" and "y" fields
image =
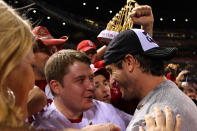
{"x": 16, "y": 40}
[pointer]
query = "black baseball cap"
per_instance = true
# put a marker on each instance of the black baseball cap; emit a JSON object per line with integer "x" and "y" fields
{"x": 136, "y": 41}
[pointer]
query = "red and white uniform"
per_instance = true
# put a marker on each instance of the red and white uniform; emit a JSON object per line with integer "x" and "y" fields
{"x": 100, "y": 113}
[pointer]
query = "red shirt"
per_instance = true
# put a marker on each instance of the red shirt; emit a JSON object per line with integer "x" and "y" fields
{"x": 99, "y": 64}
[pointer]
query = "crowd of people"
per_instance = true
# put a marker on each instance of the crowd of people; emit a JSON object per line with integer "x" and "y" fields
{"x": 182, "y": 78}
{"x": 46, "y": 87}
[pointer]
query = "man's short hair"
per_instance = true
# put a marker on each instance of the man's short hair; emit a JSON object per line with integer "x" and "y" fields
{"x": 189, "y": 90}
{"x": 57, "y": 65}
{"x": 37, "y": 46}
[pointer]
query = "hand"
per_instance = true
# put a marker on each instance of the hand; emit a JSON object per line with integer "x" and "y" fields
{"x": 36, "y": 101}
{"x": 142, "y": 15}
{"x": 181, "y": 77}
{"x": 101, "y": 127}
{"x": 160, "y": 124}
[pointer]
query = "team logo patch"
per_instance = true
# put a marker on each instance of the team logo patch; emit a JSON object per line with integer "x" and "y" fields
{"x": 145, "y": 40}
{"x": 42, "y": 32}
{"x": 90, "y": 43}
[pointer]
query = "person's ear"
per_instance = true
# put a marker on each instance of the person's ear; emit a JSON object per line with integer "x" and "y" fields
{"x": 130, "y": 62}
{"x": 55, "y": 86}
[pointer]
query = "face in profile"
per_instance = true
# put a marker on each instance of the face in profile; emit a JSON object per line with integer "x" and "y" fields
{"x": 124, "y": 80}
{"x": 21, "y": 81}
{"x": 102, "y": 86}
{"x": 192, "y": 95}
{"x": 42, "y": 56}
{"x": 77, "y": 89}
{"x": 40, "y": 61}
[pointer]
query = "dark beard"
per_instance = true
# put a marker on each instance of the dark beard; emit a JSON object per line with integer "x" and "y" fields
{"x": 130, "y": 86}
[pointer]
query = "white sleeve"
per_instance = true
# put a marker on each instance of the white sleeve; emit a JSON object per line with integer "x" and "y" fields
{"x": 125, "y": 116}
{"x": 48, "y": 92}
{"x": 114, "y": 115}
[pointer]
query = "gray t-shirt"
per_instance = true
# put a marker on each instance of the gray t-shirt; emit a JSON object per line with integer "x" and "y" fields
{"x": 166, "y": 94}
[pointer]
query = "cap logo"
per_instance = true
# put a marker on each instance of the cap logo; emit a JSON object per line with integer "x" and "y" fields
{"x": 148, "y": 37}
{"x": 90, "y": 43}
{"x": 108, "y": 34}
{"x": 42, "y": 32}
{"x": 145, "y": 40}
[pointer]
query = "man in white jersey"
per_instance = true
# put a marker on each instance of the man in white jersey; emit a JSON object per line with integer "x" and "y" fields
{"x": 70, "y": 77}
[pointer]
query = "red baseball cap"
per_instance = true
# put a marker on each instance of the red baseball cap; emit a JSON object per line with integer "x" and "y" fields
{"x": 101, "y": 71}
{"x": 41, "y": 33}
{"x": 99, "y": 64}
{"x": 86, "y": 45}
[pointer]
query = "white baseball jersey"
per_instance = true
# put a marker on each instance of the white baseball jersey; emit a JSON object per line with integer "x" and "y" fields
{"x": 48, "y": 92}
{"x": 100, "y": 113}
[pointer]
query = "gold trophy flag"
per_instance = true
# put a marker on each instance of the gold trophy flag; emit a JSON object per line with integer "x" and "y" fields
{"x": 120, "y": 22}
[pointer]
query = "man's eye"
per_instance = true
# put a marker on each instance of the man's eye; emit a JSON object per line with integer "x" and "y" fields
{"x": 106, "y": 83}
{"x": 80, "y": 80}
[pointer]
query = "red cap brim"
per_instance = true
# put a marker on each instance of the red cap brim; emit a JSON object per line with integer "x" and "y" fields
{"x": 100, "y": 40}
{"x": 52, "y": 41}
{"x": 87, "y": 48}
{"x": 99, "y": 64}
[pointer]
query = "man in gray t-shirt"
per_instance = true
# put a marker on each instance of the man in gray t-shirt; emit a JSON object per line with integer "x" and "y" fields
{"x": 166, "y": 94}
{"x": 136, "y": 64}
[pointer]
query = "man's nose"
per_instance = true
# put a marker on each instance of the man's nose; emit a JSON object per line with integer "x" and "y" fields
{"x": 105, "y": 88}
{"x": 111, "y": 80}
{"x": 90, "y": 85}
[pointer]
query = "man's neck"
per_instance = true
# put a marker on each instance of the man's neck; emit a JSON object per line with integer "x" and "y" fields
{"x": 66, "y": 111}
{"x": 148, "y": 83}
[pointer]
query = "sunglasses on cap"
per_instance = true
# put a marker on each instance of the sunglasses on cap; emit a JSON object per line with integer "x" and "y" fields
{"x": 40, "y": 47}
{"x": 91, "y": 51}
